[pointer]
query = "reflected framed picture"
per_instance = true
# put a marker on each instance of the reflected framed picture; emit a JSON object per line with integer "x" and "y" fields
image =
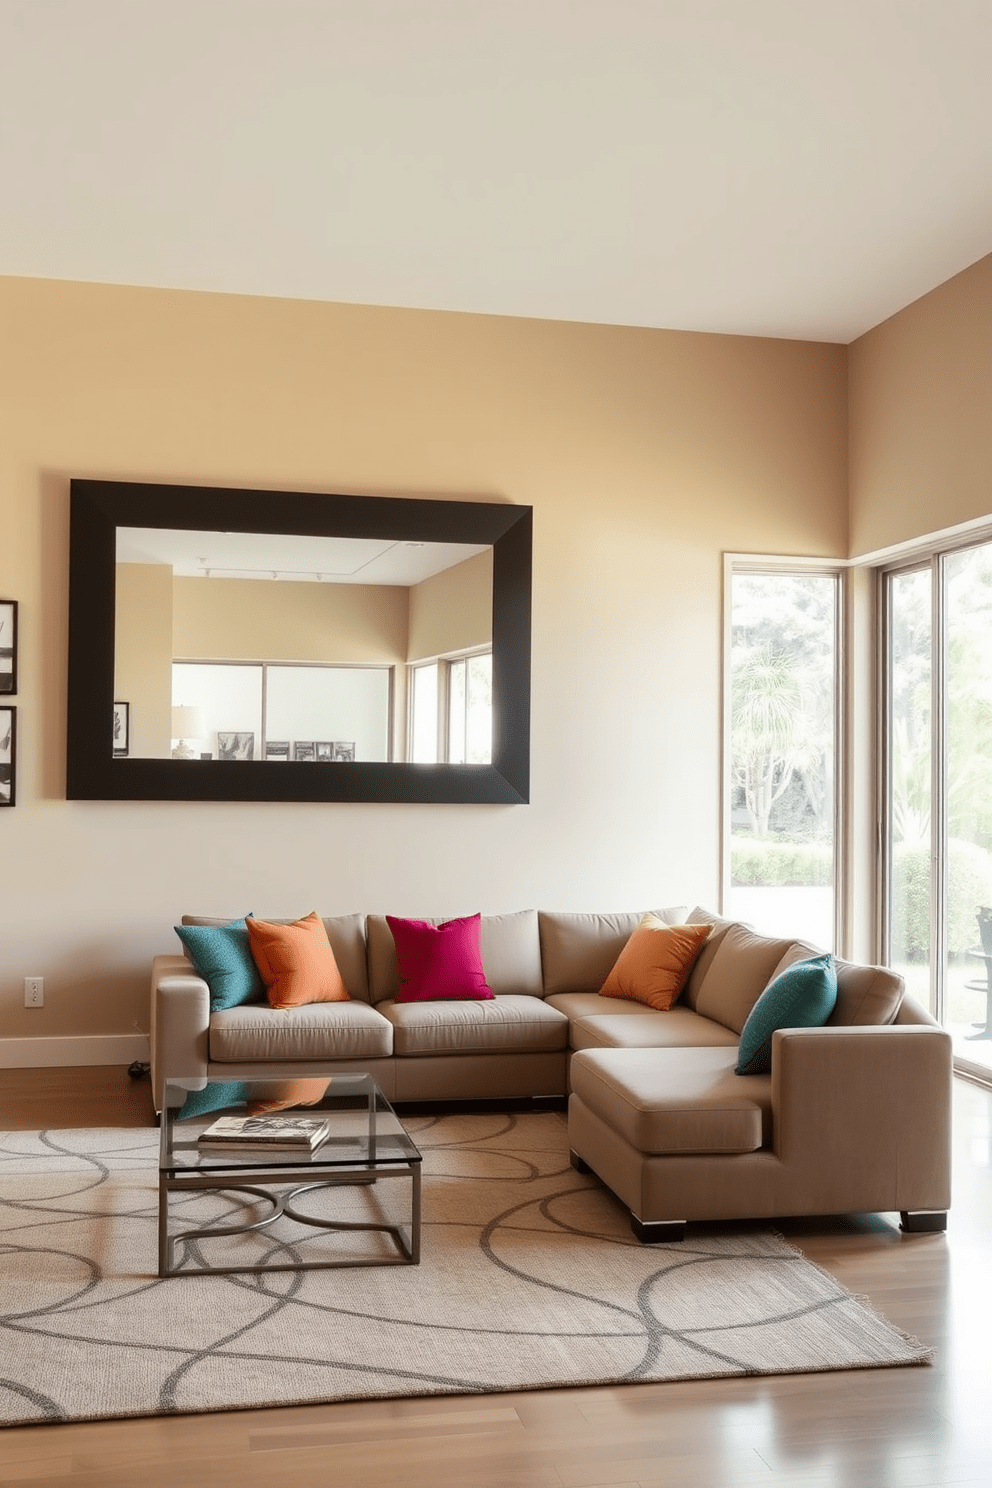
{"x": 325, "y": 750}
{"x": 304, "y": 749}
{"x": 344, "y": 749}
{"x": 277, "y": 749}
{"x": 122, "y": 729}
{"x": 8, "y": 755}
{"x": 8, "y": 645}
{"x": 235, "y": 744}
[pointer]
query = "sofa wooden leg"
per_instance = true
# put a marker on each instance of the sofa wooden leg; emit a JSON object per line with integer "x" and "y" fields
{"x": 923, "y": 1221}
{"x": 578, "y": 1163}
{"x": 664, "y": 1233}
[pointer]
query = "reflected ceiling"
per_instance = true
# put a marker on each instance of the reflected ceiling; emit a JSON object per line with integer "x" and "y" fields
{"x": 289, "y": 556}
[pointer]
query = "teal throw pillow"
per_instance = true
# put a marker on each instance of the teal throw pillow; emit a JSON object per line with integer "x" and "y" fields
{"x": 803, "y": 996}
{"x": 219, "y": 1095}
{"x": 222, "y": 955}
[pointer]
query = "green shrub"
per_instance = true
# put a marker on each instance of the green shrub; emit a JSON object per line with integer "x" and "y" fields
{"x": 766, "y": 863}
{"x": 969, "y": 885}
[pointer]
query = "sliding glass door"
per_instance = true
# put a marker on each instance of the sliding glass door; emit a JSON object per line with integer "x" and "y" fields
{"x": 938, "y": 749}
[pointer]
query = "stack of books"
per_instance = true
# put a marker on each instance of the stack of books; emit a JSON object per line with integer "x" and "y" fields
{"x": 272, "y": 1133}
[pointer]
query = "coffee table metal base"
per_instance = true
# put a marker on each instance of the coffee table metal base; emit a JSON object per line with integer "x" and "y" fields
{"x": 281, "y": 1190}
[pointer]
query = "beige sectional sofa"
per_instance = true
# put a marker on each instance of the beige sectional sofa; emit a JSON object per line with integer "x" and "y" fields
{"x": 854, "y": 1116}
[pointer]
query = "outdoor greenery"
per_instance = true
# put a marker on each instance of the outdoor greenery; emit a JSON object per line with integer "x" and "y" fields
{"x": 782, "y": 669}
{"x": 969, "y": 887}
{"x": 770, "y": 863}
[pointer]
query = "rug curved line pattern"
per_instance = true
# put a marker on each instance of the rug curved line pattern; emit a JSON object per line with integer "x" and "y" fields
{"x": 530, "y": 1278}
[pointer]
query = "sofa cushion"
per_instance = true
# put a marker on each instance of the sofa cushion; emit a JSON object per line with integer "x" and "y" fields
{"x": 802, "y": 996}
{"x": 511, "y": 954}
{"x": 653, "y": 965}
{"x": 296, "y": 962}
{"x": 703, "y": 961}
{"x": 319, "y": 1030}
{"x": 675, "y": 1100}
{"x": 222, "y": 957}
{"x": 439, "y": 963}
{"x": 740, "y": 970}
{"x": 578, "y": 950}
{"x": 866, "y": 994}
{"x": 502, "y": 1025}
{"x": 346, "y": 934}
{"x": 679, "y": 1028}
{"x": 590, "y": 1005}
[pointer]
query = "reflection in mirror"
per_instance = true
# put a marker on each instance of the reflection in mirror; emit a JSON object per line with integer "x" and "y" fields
{"x": 287, "y": 647}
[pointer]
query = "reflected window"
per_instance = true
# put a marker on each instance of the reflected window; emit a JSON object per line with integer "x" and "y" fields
{"x": 423, "y": 731}
{"x": 277, "y": 712}
{"x": 451, "y": 710}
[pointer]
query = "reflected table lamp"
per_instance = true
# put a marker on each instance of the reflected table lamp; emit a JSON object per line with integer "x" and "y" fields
{"x": 187, "y": 723}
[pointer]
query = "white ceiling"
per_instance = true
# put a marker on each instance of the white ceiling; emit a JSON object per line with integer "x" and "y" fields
{"x": 799, "y": 168}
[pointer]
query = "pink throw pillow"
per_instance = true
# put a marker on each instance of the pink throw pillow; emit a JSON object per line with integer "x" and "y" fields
{"x": 439, "y": 963}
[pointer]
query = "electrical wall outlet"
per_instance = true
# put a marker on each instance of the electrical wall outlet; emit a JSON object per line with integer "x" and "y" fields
{"x": 34, "y": 991}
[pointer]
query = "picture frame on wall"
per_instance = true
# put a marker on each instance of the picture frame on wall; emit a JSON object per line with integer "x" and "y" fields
{"x": 8, "y": 646}
{"x": 235, "y": 744}
{"x": 325, "y": 750}
{"x": 122, "y": 729}
{"x": 344, "y": 749}
{"x": 277, "y": 749}
{"x": 304, "y": 749}
{"x": 8, "y": 756}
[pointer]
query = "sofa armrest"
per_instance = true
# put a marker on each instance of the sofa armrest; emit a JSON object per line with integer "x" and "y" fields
{"x": 866, "y": 1110}
{"x": 180, "y": 1023}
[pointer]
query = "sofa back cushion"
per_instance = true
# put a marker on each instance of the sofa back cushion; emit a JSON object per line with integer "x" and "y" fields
{"x": 703, "y": 962}
{"x": 740, "y": 969}
{"x": 347, "y": 936}
{"x": 511, "y": 954}
{"x": 578, "y": 951}
{"x": 865, "y": 994}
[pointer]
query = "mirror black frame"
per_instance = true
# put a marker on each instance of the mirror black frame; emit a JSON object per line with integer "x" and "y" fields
{"x": 97, "y": 508}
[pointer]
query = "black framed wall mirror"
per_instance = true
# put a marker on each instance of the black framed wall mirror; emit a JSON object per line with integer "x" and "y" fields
{"x": 242, "y": 645}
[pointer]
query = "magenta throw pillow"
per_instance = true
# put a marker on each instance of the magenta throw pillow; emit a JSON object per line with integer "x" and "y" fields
{"x": 439, "y": 963}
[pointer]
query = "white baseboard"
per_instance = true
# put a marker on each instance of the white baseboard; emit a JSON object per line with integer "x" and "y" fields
{"x": 53, "y": 1053}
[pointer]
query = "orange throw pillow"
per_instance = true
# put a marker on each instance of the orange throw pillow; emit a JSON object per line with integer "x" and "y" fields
{"x": 296, "y": 962}
{"x": 655, "y": 963}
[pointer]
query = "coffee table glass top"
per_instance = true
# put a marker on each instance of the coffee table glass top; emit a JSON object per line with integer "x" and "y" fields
{"x": 364, "y": 1129}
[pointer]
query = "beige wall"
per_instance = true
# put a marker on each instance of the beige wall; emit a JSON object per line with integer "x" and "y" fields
{"x": 452, "y": 610}
{"x": 255, "y": 620}
{"x": 645, "y": 454}
{"x": 920, "y": 422}
{"x": 143, "y": 656}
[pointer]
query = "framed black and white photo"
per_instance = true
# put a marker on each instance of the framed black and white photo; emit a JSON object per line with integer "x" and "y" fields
{"x": 235, "y": 744}
{"x": 8, "y": 755}
{"x": 277, "y": 749}
{"x": 325, "y": 750}
{"x": 304, "y": 749}
{"x": 122, "y": 729}
{"x": 344, "y": 749}
{"x": 8, "y": 645}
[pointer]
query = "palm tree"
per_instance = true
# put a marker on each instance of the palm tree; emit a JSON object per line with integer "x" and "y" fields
{"x": 775, "y": 729}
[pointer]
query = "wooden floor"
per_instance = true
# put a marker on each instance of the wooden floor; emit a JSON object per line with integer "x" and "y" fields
{"x": 887, "y": 1428}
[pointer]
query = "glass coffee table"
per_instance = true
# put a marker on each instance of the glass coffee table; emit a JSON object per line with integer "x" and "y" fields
{"x": 279, "y": 1208}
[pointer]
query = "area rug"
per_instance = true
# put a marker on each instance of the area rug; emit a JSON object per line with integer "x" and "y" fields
{"x": 530, "y": 1278}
